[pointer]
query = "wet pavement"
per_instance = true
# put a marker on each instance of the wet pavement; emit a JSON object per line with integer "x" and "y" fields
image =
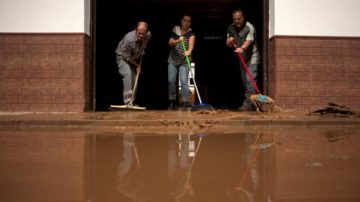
{"x": 179, "y": 156}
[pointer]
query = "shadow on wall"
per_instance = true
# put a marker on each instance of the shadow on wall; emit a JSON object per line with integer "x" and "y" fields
{"x": 217, "y": 73}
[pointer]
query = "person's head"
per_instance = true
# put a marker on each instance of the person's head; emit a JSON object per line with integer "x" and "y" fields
{"x": 141, "y": 30}
{"x": 186, "y": 22}
{"x": 238, "y": 17}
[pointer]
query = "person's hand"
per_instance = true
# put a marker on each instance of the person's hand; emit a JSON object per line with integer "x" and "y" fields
{"x": 138, "y": 68}
{"x": 231, "y": 40}
{"x": 181, "y": 38}
{"x": 239, "y": 50}
{"x": 187, "y": 53}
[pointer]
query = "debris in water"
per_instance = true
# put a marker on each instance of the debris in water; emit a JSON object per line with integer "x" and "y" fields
{"x": 335, "y": 109}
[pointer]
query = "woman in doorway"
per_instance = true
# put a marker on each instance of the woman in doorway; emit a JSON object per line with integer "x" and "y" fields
{"x": 177, "y": 61}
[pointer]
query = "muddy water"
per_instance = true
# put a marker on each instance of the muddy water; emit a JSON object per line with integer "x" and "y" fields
{"x": 274, "y": 164}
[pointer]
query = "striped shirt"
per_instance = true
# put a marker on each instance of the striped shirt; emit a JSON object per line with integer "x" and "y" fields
{"x": 177, "y": 52}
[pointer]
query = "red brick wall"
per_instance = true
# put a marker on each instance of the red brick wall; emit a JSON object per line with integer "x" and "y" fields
{"x": 306, "y": 73}
{"x": 44, "y": 73}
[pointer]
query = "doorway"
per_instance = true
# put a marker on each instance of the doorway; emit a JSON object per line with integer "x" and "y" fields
{"x": 217, "y": 72}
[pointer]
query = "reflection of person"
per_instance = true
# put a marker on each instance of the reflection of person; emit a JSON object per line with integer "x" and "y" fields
{"x": 180, "y": 159}
{"x": 246, "y": 186}
{"x": 249, "y": 185}
{"x": 129, "y": 181}
{"x": 128, "y": 53}
{"x": 243, "y": 34}
{"x": 177, "y": 61}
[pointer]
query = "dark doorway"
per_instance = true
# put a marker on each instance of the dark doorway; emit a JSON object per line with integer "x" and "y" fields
{"x": 217, "y": 73}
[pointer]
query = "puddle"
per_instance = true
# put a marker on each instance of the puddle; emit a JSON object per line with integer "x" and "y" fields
{"x": 300, "y": 164}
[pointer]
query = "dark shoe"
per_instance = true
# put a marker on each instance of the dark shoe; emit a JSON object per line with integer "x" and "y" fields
{"x": 185, "y": 105}
{"x": 246, "y": 108}
{"x": 173, "y": 105}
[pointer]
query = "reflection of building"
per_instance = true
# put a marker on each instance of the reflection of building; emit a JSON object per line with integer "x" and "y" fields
{"x": 301, "y": 165}
{"x": 312, "y": 167}
{"x": 43, "y": 166}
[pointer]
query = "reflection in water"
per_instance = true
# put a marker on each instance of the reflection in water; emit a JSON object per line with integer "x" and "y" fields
{"x": 333, "y": 137}
{"x": 42, "y": 166}
{"x": 181, "y": 159}
{"x": 247, "y": 189}
{"x": 130, "y": 180}
{"x": 277, "y": 165}
{"x": 308, "y": 166}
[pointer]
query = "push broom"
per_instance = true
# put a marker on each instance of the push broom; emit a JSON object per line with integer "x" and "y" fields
{"x": 201, "y": 105}
{"x": 261, "y": 102}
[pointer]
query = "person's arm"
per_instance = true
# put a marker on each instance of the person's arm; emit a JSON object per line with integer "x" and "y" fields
{"x": 146, "y": 41}
{"x": 124, "y": 49}
{"x": 133, "y": 63}
{"x": 249, "y": 39}
{"x": 191, "y": 45}
{"x": 173, "y": 41}
{"x": 230, "y": 42}
{"x": 246, "y": 45}
{"x": 230, "y": 37}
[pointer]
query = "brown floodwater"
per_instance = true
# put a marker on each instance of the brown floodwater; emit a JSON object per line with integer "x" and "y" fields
{"x": 273, "y": 164}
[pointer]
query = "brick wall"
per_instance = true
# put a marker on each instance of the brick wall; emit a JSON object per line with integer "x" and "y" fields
{"x": 44, "y": 73}
{"x": 52, "y": 72}
{"x": 306, "y": 73}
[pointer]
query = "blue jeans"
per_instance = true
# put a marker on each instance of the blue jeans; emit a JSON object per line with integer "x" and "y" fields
{"x": 248, "y": 84}
{"x": 172, "y": 78}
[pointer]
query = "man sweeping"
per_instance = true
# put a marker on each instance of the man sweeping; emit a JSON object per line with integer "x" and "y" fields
{"x": 243, "y": 34}
{"x": 129, "y": 53}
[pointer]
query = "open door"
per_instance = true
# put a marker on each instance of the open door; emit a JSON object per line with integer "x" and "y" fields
{"x": 217, "y": 73}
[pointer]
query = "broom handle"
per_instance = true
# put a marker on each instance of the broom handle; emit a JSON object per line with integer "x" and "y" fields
{"x": 192, "y": 75}
{"x": 247, "y": 70}
{"x": 136, "y": 81}
{"x": 193, "y": 160}
{"x": 253, "y": 160}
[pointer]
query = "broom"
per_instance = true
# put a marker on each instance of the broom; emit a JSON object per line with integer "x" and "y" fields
{"x": 201, "y": 105}
{"x": 132, "y": 107}
{"x": 261, "y": 102}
